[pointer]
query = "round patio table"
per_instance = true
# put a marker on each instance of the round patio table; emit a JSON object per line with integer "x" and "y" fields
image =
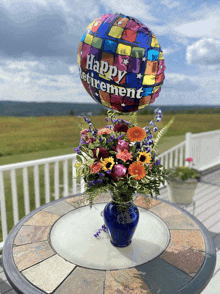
{"x": 53, "y": 250}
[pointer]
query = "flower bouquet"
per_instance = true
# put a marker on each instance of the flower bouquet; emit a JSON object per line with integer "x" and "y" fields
{"x": 120, "y": 158}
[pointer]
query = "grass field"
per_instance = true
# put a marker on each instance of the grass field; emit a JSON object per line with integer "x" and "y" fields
{"x": 33, "y": 134}
{"x": 24, "y": 139}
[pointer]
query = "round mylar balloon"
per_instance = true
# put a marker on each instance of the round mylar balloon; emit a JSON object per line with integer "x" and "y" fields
{"x": 121, "y": 63}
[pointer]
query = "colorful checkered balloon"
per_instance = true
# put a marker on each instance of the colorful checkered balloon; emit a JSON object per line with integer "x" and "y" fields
{"x": 121, "y": 63}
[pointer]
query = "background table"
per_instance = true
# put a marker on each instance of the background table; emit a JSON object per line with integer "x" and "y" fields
{"x": 32, "y": 266}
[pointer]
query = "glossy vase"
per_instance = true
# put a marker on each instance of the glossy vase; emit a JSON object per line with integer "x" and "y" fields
{"x": 121, "y": 220}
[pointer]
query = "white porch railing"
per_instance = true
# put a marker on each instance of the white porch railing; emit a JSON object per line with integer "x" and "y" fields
{"x": 12, "y": 168}
{"x": 204, "y": 148}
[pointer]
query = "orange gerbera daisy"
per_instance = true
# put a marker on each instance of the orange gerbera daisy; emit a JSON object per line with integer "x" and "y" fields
{"x": 136, "y": 134}
{"x": 136, "y": 169}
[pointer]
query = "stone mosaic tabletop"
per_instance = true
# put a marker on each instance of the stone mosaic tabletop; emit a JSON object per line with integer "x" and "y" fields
{"x": 32, "y": 266}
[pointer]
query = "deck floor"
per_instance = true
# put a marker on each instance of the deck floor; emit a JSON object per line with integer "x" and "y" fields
{"x": 207, "y": 211}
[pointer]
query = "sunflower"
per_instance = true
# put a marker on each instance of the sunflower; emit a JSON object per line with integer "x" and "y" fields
{"x": 137, "y": 169}
{"x": 144, "y": 157}
{"x": 107, "y": 163}
{"x": 136, "y": 134}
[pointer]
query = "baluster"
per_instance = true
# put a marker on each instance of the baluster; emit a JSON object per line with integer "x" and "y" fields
{"x": 56, "y": 180}
{"x": 65, "y": 178}
{"x": 176, "y": 158}
{"x": 26, "y": 190}
{"x": 171, "y": 159}
{"x": 82, "y": 183}
{"x": 166, "y": 161}
{"x": 3, "y": 208}
{"x": 181, "y": 156}
{"x": 14, "y": 196}
{"x": 36, "y": 186}
{"x": 74, "y": 175}
{"x": 162, "y": 160}
{"x": 47, "y": 182}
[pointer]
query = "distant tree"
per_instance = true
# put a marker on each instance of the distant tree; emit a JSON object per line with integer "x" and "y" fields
{"x": 103, "y": 112}
{"x": 146, "y": 111}
{"x": 71, "y": 112}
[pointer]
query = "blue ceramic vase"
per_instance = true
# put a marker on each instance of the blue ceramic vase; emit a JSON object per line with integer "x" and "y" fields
{"x": 121, "y": 220}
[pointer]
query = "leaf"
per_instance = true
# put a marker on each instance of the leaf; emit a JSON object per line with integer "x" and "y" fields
{"x": 134, "y": 183}
{"x": 97, "y": 152}
{"x": 91, "y": 153}
{"x": 78, "y": 164}
{"x": 91, "y": 146}
{"x": 79, "y": 158}
{"x": 120, "y": 183}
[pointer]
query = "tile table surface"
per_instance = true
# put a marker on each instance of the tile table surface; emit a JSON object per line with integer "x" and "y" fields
{"x": 33, "y": 267}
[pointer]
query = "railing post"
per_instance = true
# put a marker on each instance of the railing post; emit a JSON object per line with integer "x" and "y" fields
{"x": 188, "y": 146}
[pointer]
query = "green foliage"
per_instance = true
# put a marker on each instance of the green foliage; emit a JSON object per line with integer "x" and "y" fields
{"x": 71, "y": 112}
{"x": 162, "y": 133}
{"x": 183, "y": 173}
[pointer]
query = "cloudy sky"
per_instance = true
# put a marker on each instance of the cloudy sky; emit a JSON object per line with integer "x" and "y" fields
{"x": 39, "y": 41}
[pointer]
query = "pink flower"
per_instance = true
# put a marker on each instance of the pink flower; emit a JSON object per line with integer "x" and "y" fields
{"x": 150, "y": 164}
{"x": 124, "y": 155}
{"x": 95, "y": 167}
{"x": 189, "y": 159}
{"x": 84, "y": 132}
{"x": 122, "y": 145}
{"x": 104, "y": 131}
{"x": 119, "y": 170}
{"x": 90, "y": 140}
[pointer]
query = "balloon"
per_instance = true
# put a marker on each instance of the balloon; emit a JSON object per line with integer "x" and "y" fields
{"x": 121, "y": 64}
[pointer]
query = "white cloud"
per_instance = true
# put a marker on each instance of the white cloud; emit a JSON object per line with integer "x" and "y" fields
{"x": 204, "y": 52}
{"x": 200, "y": 28}
{"x": 74, "y": 69}
{"x": 167, "y": 51}
{"x": 138, "y": 9}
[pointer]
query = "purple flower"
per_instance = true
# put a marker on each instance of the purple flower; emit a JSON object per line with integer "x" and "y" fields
{"x": 138, "y": 147}
{"x": 159, "y": 119}
{"x": 99, "y": 181}
{"x": 150, "y": 136}
{"x": 150, "y": 142}
{"x": 91, "y": 183}
{"x": 157, "y": 162}
{"x": 148, "y": 149}
{"x": 155, "y": 129}
{"x": 104, "y": 229}
{"x": 127, "y": 122}
{"x": 101, "y": 175}
{"x": 77, "y": 149}
{"x": 94, "y": 133}
{"x": 152, "y": 123}
{"x": 147, "y": 129}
